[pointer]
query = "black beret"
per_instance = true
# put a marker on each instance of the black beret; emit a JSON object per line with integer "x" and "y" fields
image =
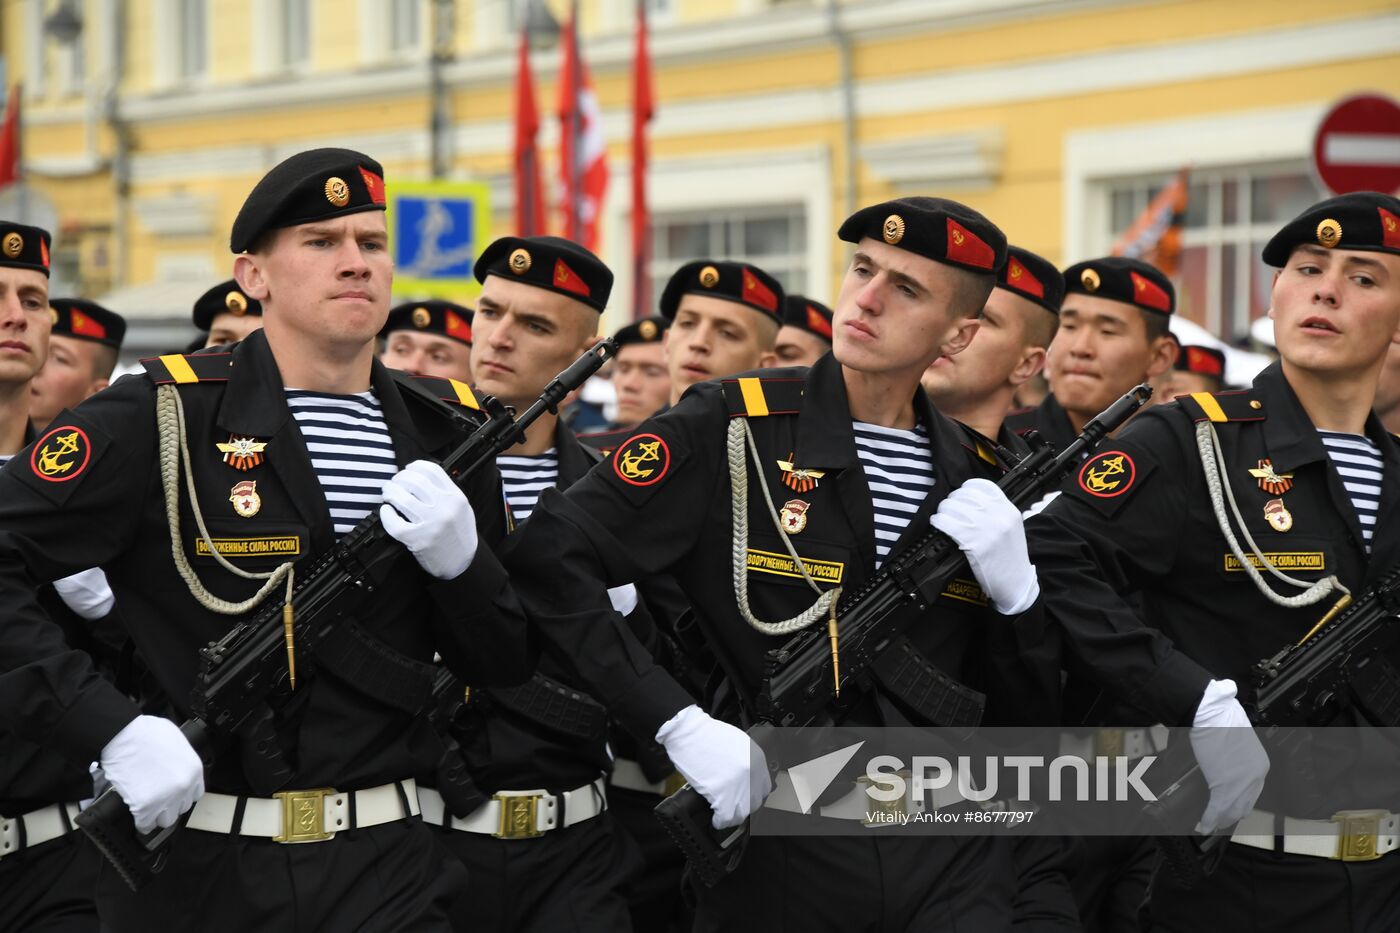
{"x": 647, "y": 330}
{"x": 1365, "y": 221}
{"x": 934, "y": 228}
{"x": 731, "y": 281}
{"x": 445, "y": 318}
{"x": 1031, "y": 277}
{"x": 24, "y": 247}
{"x": 1207, "y": 361}
{"x": 806, "y": 314}
{"x": 549, "y": 262}
{"x": 314, "y": 185}
{"x": 226, "y": 296}
{"x": 1119, "y": 278}
{"x": 87, "y": 320}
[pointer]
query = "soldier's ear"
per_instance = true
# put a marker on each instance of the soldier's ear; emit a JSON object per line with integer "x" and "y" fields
{"x": 1032, "y": 362}
{"x": 960, "y": 336}
{"x": 249, "y": 275}
{"x": 1164, "y": 353}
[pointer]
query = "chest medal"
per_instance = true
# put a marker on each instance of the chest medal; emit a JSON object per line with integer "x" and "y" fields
{"x": 1277, "y": 514}
{"x": 794, "y": 516}
{"x": 245, "y": 498}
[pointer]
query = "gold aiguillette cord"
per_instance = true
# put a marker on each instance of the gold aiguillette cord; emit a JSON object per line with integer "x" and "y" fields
{"x": 289, "y": 633}
{"x": 835, "y": 646}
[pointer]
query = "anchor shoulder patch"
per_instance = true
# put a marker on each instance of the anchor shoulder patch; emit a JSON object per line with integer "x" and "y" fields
{"x": 62, "y": 458}
{"x": 183, "y": 369}
{"x": 1111, "y": 477}
{"x": 1221, "y": 407}
{"x": 759, "y": 396}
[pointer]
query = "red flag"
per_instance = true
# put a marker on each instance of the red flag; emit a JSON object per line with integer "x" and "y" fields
{"x": 1155, "y": 236}
{"x": 643, "y": 108}
{"x": 582, "y": 147}
{"x": 529, "y": 194}
{"x": 9, "y": 141}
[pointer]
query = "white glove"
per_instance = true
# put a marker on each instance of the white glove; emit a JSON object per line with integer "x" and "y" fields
{"x": 87, "y": 593}
{"x": 623, "y": 598}
{"x": 718, "y": 760}
{"x": 155, "y": 770}
{"x": 1231, "y": 759}
{"x": 1039, "y": 505}
{"x": 988, "y": 528}
{"x": 429, "y": 514}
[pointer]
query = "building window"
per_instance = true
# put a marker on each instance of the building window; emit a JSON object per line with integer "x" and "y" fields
{"x": 35, "y": 49}
{"x": 405, "y": 26}
{"x": 191, "y": 37}
{"x": 772, "y": 238}
{"x": 1221, "y": 282}
{"x": 294, "y": 23}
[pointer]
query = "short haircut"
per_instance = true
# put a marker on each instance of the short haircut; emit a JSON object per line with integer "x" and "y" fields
{"x": 1158, "y": 324}
{"x": 104, "y": 361}
{"x": 1041, "y": 327}
{"x": 768, "y": 328}
{"x": 970, "y": 292}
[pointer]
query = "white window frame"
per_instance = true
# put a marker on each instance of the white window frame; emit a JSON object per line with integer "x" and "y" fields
{"x": 35, "y": 50}
{"x": 426, "y": 16}
{"x": 745, "y": 180}
{"x": 170, "y": 63}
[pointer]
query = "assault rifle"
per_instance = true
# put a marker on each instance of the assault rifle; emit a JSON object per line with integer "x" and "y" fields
{"x": 804, "y": 683}
{"x": 1342, "y": 661}
{"x": 246, "y": 675}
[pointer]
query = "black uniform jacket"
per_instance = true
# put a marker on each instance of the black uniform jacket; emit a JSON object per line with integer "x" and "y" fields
{"x": 88, "y": 494}
{"x": 1048, "y": 418}
{"x": 507, "y": 751}
{"x": 1139, "y": 519}
{"x": 662, "y": 503}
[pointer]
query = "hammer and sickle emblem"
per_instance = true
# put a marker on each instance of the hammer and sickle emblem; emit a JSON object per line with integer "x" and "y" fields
{"x": 958, "y": 237}
{"x": 50, "y": 461}
{"x": 631, "y": 461}
{"x": 1098, "y": 480}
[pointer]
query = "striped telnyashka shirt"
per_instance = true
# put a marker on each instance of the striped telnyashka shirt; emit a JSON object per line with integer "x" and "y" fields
{"x": 351, "y": 451}
{"x": 1360, "y": 466}
{"x": 899, "y": 470}
{"x": 524, "y": 478}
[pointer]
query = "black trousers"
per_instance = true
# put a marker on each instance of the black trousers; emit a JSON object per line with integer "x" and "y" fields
{"x": 389, "y": 877}
{"x": 1112, "y": 881}
{"x": 48, "y": 889}
{"x": 1256, "y": 890}
{"x": 1044, "y": 898}
{"x": 883, "y": 883}
{"x": 565, "y": 881}
{"x": 654, "y": 892}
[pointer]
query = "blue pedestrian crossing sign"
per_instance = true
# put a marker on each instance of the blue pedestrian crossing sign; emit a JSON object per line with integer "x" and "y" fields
{"x": 436, "y": 231}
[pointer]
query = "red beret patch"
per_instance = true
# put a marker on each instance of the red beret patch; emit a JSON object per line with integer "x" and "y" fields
{"x": 755, "y": 292}
{"x": 1149, "y": 293}
{"x": 968, "y": 248}
{"x": 1198, "y": 361}
{"x": 817, "y": 323}
{"x": 456, "y": 327}
{"x": 84, "y": 326}
{"x": 1390, "y": 229}
{"x": 374, "y": 184}
{"x": 1020, "y": 278}
{"x": 568, "y": 279}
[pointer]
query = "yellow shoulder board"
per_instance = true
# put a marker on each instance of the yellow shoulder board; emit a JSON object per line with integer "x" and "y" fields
{"x": 756, "y": 397}
{"x": 182, "y": 369}
{"x": 1220, "y": 407}
{"x": 449, "y": 390}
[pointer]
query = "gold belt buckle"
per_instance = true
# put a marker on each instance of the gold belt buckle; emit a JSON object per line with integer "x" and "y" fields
{"x": 1360, "y": 830}
{"x": 519, "y": 816}
{"x": 896, "y": 809}
{"x": 673, "y": 783}
{"x": 1108, "y": 743}
{"x": 304, "y": 815}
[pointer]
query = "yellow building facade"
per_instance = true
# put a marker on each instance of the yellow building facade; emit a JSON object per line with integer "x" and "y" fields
{"x": 145, "y": 126}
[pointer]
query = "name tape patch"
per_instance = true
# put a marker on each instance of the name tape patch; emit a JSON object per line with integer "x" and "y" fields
{"x": 1282, "y": 560}
{"x": 286, "y": 546}
{"x": 823, "y": 571}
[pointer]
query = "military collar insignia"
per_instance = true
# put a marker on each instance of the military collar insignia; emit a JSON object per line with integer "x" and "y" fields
{"x": 794, "y": 516}
{"x": 1275, "y": 484}
{"x": 245, "y": 498}
{"x": 1277, "y": 515}
{"x": 799, "y": 480}
{"x": 243, "y": 453}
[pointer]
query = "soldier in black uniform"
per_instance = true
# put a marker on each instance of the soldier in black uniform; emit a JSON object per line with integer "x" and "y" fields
{"x": 805, "y": 336}
{"x": 976, "y": 386}
{"x": 290, "y": 436}
{"x": 541, "y": 850}
{"x": 1113, "y": 335}
{"x": 83, "y": 351}
{"x": 226, "y": 314}
{"x": 640, "y": 380}
{"x": 664, "y": 501}
{"x": 47, "y": 871}
{"x": 429, "y": 338}
{"x": 1314, "y": 479}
